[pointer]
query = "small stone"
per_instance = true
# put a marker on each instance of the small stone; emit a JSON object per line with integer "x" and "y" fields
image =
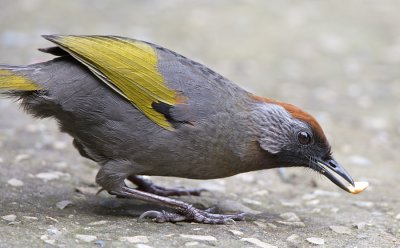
{"x": 340, "y": 229}
{"x": 100, "y": 243}
{"x": 1, "y": 160}
{"x": 15, "y": 182}
{"x": 143, "y": 246}
{"x": 295, "y": 224}
{"x": 98, "y": 223}
{"x": 63, "y": 204}
{"x": 290, "y": 216}
{"x": 397, "y": 217}
{"x": 47, "y": 240}
{"x": 192, "y": 243}
{"x": 364, "y": 204}
{"x": 53, "y": 231}
{"x": 236, "y": 232}
{"x": 22, "y": 157}
{"x": 10, "y": 217}
{"x": 360, "y": 225}
{"x": 293, "y": 238}
{"x": 134, "y": 239}
{"x": 316, "y": 241}
{"x": 86, "y": 238}
{"x": 261, "y": 193}
{"x": 59, "y": 145}
{"x": 52, "y": 219}
{"x": 235, "y": 206}
{"x": 30, "y": 217}
{"x": 198, "y": 237}
{"x": 320, "y": 192}
{"x": 312, "y": 202}
{"x": 260, "y": 224}
{"x": 251, "y": 201}
{"x": 48, "y": 176}
{"x": 257, "y": 242}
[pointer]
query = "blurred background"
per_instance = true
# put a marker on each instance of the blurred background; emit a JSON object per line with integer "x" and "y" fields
{"x": 338, "y": 60}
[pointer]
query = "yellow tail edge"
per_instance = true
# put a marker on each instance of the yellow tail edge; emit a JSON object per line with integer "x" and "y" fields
{"x": 9, "y": 80}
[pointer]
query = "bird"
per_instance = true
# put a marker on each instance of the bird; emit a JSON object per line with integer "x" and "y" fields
{"x": 139, "y": 109}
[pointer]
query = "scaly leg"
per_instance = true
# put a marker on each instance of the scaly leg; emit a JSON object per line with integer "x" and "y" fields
{"x": 184, "y": 211}
{"x": 111, "y": 178}
{"x": 148, "y": 186}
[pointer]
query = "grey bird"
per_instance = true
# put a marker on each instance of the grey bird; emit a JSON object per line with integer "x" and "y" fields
{"x": 140, "y": 109}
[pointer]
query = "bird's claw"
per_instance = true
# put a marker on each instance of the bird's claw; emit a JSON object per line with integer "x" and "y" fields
{"x": 194, "y": 215}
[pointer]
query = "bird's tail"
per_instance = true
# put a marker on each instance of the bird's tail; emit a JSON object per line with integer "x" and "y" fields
{"x": 14, "y": 78}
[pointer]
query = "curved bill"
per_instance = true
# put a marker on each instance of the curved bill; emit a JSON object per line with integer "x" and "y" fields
{"x": 330, "y": 167}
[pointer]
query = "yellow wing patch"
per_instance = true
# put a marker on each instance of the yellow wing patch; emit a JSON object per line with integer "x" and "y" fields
{"x": 128, "y": 66}
{"x": 11, "y": 81}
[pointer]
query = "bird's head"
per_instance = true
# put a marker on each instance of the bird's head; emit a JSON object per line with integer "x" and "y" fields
{"x": 293, "y": 138}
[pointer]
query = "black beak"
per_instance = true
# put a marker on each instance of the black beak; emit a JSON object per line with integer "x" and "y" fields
{"x": 326, "y": 167}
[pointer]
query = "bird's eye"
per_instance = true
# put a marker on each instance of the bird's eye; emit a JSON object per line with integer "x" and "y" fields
{"x": 304, "y": 138}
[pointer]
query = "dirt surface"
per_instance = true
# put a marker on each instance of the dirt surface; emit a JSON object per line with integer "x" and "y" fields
{"x": 338, "y": 60}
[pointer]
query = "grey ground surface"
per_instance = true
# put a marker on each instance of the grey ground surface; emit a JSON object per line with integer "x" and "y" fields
{"x": 340, "y": 60}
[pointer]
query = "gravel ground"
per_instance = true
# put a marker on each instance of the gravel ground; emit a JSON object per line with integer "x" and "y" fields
{"x": 338, "y": 60}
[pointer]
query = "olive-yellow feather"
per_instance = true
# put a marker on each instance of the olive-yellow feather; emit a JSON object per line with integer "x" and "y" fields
{"x": 12, "y": 81}
{"x": 128, "y": 66}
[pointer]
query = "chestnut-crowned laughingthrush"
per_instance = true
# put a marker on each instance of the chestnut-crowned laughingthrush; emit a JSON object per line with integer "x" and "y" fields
{"x": 140, "y": 109}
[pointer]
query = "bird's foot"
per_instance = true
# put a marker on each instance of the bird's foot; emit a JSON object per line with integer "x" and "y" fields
{"x": 192, "y": 214}
{"x": 183, "y": 211}
{"x": 148, "y": 186}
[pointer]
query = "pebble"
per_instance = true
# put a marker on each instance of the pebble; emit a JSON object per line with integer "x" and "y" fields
{"x": 199, "y": 237}
{"x": 134, "y": 239}
{"x": 30, "y": 217}
{"x": 260, "y": 224}
{"x": 100, "y": 243}
{"x": 397, "y": 217}
{"x": 1, "y": 160}
{"x": 364, "y": 204}
{"x": 15, "y": 182}
{"x": 47, "y": 240}
{"x": 98, "y": 223}
{"x": 257, "y": 242}
{"x": 10, "y": 217}
{"x": 320, "y": 192}
{"x": 143, "y": 246}
{"x": 48, "y": 176}
{"x": 59, "y": 145}
{"x": 86, "y": 238}
{"x": 312, "y": 202}
{"x": 316, "y": 241}
{"x": 235, "y": 206}
{"x": 63, "y": 204}
{"x": 293, "y": 238}
{"x": 290, "y": 216}
{"x": 252, "y": 202}
{"x": 260, "y": 193}
{"x": 360, "y": 225}
{"x": 22, "y": 157}
{"x": 192, "y": 243}
{"x": 340, "y": 229}
{"x": 295, "y": 224}
{"x": 236, "y": 232}
{"x": 51, "y": 218}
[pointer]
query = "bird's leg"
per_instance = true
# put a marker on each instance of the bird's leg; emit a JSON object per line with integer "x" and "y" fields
{"x": 183, "y": 211}
{"x": 146, "y": 185}
{"x": 111, "y": 178}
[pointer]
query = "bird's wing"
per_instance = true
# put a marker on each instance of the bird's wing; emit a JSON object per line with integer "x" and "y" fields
{"x": 129, "y": 67}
